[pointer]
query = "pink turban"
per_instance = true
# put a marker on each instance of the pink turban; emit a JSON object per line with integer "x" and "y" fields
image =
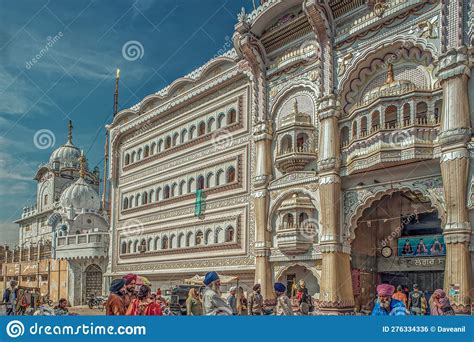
{"x": 385, "y": 290}
{"x": 440, "y": 293}
{"x": 129, "y": 278}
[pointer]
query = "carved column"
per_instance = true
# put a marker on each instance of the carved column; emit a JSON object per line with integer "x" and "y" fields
{"x": 336, "y": 281}
{"x": 263, "y": 271}
{"x": 455, "y": 133}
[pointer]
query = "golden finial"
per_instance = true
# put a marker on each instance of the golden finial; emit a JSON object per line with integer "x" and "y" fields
{"x": 69, "y": 136}
{"x": 82, "y": 162}
{"x": 390, "y": 77}
{"x": 295, "y": 106}
{"x": 117, "y": 75}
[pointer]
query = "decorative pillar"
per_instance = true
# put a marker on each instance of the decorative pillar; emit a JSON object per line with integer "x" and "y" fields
{"x": 455, "y": 133}
{"x": 336, "y": 281}
{"x": 263, "y": 270}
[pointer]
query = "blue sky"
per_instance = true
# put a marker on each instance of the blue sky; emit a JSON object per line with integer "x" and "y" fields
{"x": 58, "y": 61}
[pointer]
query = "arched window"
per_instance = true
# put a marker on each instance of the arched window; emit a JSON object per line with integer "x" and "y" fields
{"x": 144, "y": 198}
{"x": 160, "y": 145}
{"x": 129, "y": 247}
{"x": 151, "y": 196}
{"x": 437, "y": 110}
{"x": 146, "y": 153}
{"x": 131, "y": 202}
{"x": 391, "y": 120}
{"x": 231, "y": 116}
{"x": 135, "y": 246}
{"x": 406, "y": 114}
{"x": 229, "y": 234}
{"x": 199, "y": 238}
{"x": 45, "y": 200}
{"x": 230, "y": 177}
{"x": 220, "y": 177}
{"x": 139, "y": 154}
{"x": 218, "y": 235}
{"x": 210, "y": 180}
{"x": 289, "y": 221}
{"x": 301, "y": 142}
{"x": 158, "y": 194}
{"x": 167, "y": 142}
{"x": 173, "y": 189}
{"x": 184, "y": 134}
{"x": 208, "y": 237}
{"x": 137, "y": 200}
{"x": 192, "y": 132}
{"x": 153, "y": 148}
{"x": 344, "y": 136}
{"x": 200, "y": 183}
{"x": 220, "y": 120}
{"x": 172, "y": 241}
{"x": 191, "y": 186}
{"x": 149, "y": 244}
{"x": 125, "y": 203}
{"x": 363, "y": 126}
{"x": 134, "y": 154}
{"x": 210, "y": 125}
{"x": 422, "y": 113}
{"x": 157, "y": 243}
{"x": 175, "y": 139}
{"x": 354, "y": 129}
{"x": 166, "y": 192}
{"x": 375, "y": 120}
{"x": 202, "y": 128}
{"x": 164, "y": 242}
{"x": 127, "y": 159}
{"x": 182, "y": 187}
{"x": 124, "y": 247}
{"x": 143, "y": 246}
{"x": 180, "y": 240}
{"x": 189, "y": 238}
{"x": 286, "y": 144}
{"x": 303, "y": 219}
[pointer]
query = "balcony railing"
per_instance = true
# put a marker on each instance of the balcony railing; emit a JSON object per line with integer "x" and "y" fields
{"x": 82, "y": 245}
{"x": 297, "y": 149}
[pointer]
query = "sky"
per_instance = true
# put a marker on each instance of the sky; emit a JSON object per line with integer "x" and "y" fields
{"x": 58, "y": 61}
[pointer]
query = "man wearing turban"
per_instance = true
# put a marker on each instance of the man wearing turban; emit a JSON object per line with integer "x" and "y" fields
{"x": 256, "y": 301}
{"x": 386, "y": 305}
{"x": 283, "y": 305}
{"x": 130, "y": 293}
{"x": 213, "y": 304}
{"x": 115, "y": 305}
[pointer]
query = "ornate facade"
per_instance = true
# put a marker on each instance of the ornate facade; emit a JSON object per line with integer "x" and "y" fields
{"x": 63, "y": 241}
{"x": 331, "y": 132}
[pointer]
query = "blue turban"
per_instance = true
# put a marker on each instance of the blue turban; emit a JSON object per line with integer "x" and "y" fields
{"x": 117, "y": 285}
{"x": 210, "y": 277}
{"x": 279, "y": 287}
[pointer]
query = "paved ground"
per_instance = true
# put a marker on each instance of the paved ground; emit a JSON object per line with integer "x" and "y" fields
{"x": 84, "y": 310}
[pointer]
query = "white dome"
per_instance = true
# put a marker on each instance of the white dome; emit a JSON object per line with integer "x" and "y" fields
{"x": 67, "y": 155}
{"x": 80, "y": 195}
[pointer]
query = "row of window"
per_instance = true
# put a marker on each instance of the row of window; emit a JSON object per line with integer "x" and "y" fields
{"x": 391, "y": 120}
{"x": 176, "y": 138}
{"x": 184, "y": 187}
{"x": 302, "y": 144}
{"x": 181, "y": 240}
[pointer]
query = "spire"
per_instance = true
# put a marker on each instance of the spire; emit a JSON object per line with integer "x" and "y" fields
{"x": 116, "y": 94}
{"x": 82, "y": 161}
{"x": 295, "y": 106}
{"x": 69, "y": 136}
{"x": 390, "y": 77}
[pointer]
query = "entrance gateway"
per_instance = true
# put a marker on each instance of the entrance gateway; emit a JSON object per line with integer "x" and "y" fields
{"x": 398, "y": 240}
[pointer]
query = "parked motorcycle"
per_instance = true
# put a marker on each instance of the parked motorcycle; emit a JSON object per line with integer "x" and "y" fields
{"x": 96, "y": 302}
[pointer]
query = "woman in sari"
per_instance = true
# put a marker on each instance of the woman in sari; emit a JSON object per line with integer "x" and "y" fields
{"x": 241, "y": 302}
{"x": 144, "y": 305}
{"x": 440, "y": 305}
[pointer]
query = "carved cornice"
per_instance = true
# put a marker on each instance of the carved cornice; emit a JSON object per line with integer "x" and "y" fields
{"x": 457, "y": 233}
{"x": 453, "y": 155}
{"x": 329, "y": 164}
{"x": 454, "y": 136}
{"x": 454, "y": 63}
{"x": 330, "y": 179}
{"x": 329, "y": 107}
{"x": 263, "y": 130}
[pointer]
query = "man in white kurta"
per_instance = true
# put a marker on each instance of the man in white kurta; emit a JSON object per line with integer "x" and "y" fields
{"x": 213, "y": 304}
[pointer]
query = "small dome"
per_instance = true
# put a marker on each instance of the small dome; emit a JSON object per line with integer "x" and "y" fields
{"x": 80, "y": 195}
{"x": 296, "y": 201}
{"x": 67, "y": 155}
{"x": 295, "y": 117}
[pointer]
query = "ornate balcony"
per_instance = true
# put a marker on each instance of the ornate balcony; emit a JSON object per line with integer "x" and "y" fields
{"x": 391, "y": 145}
{"x": 295, "y": 239}
{"x": 294, "y": 158}
{"x": 89, "y": 245}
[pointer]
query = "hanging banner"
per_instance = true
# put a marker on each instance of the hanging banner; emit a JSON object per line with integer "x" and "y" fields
{"x": 421, "y": 246}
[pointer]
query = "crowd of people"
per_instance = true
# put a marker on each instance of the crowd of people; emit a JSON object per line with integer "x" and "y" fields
{"x": 416, "y": 303}
{"x": 132, "y": 295}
